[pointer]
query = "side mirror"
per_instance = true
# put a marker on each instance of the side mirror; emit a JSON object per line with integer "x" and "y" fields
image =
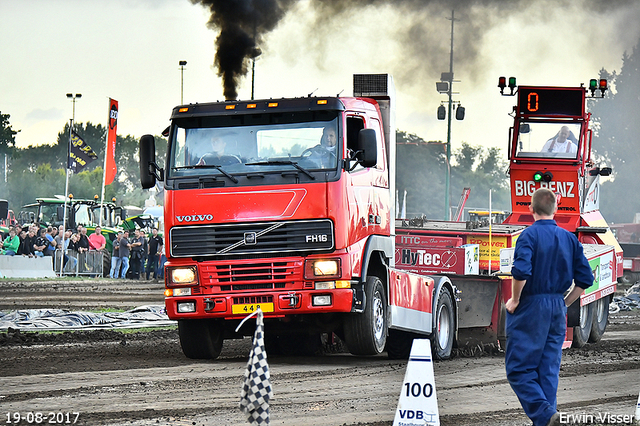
{"x": 367, "y": 148}
{"x": 149, "y": 170}
{"x": 606, "y": 171}
{"x": 60, "y": 212}
{"x": 524, "y": 128}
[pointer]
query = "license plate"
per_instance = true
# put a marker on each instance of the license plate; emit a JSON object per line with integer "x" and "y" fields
{"x": 248, "y": 308}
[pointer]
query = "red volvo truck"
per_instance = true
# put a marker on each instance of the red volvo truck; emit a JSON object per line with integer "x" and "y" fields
{"x": 288, "y": 205}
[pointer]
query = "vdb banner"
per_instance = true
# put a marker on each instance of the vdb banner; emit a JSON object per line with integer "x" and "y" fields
{"x": 80, "y": 154}
{"x": 110, "y": 159}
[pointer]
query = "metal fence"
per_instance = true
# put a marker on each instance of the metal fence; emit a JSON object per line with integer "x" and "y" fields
{"x": 85, "y": 263}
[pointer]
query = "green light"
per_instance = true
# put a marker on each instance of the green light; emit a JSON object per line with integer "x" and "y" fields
{"x": 537, "y": 176}
{"x": 593, "y": 84}
{"x": 512, "y": 82}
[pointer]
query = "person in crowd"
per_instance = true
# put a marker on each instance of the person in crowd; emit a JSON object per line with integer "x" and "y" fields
{"x": 125, "y": 247}
{"x": 22, "y": 235}
{"x": 162, "y": 261}
{"x": 11, "y": 244}
{"x": 73, "y": 242}
{"x": 116, "y": 263}
{"x": 51, "y": 247}
{"x": 67, "y": 240}
{"x": 155, "y": 242}
{"x": 26, "y": 245}
{"x": 83, "y": 241}
{"x": 136, "y": 258}
{"x": 97, "y": 241}
{"x": 41, "y": 243}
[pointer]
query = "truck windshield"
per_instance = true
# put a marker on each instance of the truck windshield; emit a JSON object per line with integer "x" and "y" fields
{"x": 233, "y": 145}
{"x": 548, "y": 140}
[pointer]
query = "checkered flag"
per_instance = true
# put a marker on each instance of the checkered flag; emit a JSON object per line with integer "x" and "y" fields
{"x": 256, "y": 391}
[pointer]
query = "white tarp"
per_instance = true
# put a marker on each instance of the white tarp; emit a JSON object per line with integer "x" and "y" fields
{"x": 61, "y": 319}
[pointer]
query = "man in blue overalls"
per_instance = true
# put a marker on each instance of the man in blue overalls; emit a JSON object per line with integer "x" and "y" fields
{"x": 547, "y": 259}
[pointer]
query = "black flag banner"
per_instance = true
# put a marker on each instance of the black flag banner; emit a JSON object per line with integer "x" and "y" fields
{"x": 256, "y": 391}
{"x": 80, "y": 154}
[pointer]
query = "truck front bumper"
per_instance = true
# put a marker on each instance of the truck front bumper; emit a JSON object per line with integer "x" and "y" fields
{"x": 273, "y": 304}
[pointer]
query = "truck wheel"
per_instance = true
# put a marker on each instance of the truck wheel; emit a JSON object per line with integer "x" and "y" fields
{"x": 581, "y": 332}
{"x": 600, "y": 319}
{"x": 399, "y": 344}
{"x": 443, "y": 334}
{"x": 366, "y": 333}
{"x": 106, "y": 264}
{"x": 200, "y": 339}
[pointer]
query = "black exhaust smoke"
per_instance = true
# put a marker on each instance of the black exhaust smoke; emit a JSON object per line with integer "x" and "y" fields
{"x": 242, "y": 25}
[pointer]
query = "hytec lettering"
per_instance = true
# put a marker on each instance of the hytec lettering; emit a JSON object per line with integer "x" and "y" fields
{"x": 527, "y": 188}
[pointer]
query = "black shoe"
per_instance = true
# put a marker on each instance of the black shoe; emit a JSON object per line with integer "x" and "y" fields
{"x": 554, "y": 420}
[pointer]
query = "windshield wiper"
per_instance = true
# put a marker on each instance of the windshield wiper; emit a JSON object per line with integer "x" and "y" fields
{"x": 289, "y": 163}
{"x": 209, "y": 166}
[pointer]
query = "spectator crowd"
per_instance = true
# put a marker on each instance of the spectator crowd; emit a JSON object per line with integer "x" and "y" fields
{"x": 136, "y": 256}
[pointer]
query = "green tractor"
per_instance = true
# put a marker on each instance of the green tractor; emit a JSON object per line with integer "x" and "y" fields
{"x": 88, "y": 213}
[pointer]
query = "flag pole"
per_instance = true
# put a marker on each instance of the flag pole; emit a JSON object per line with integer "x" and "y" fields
{"x": 104, "y": 174}
{"x": 66, "y": 196}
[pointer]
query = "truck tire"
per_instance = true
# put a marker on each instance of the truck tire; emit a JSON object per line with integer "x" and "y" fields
{"x": 444, "y": 333}
{"x": 106, "y": 263}
{"x": 399, "y": 344}
{"x": 200, "y": 339}
{"x": 366, "y": 333}
{"x": 600, "y": 319}
{"x": 581, "y": 332}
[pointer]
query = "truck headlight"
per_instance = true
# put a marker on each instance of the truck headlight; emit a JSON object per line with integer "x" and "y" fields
{"x": 186, "y": 307}
{"x": 182, "y": 276}
{"x": 322, "y": 268}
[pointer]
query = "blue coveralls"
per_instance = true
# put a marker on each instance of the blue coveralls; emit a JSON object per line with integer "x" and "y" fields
{"x": 549, "y": 258}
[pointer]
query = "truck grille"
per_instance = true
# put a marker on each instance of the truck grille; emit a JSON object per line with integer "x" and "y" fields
{"x": 251, "y": 276}
{"x": 302, "y": 236}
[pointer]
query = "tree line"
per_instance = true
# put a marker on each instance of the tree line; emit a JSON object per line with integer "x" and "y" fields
{"x": 39, "y": 171}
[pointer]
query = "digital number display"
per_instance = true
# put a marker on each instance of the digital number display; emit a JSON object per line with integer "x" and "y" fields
{"x": 542, "y": 101}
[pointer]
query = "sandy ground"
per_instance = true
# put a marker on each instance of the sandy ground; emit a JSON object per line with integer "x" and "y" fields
{"x": 115, "y": 378}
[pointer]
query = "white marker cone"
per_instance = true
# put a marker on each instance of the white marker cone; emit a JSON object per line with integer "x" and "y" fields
{"x": 418, "y": 405}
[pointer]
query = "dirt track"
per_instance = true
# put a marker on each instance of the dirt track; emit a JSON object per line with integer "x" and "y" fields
{"x": 112, "y": 378}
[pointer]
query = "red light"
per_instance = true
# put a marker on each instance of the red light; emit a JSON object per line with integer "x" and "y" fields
{"x": 603, "y": 84}
{"x": 502, "y": 82}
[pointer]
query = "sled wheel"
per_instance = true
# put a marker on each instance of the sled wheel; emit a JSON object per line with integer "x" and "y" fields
{"x": 443, "y": 334}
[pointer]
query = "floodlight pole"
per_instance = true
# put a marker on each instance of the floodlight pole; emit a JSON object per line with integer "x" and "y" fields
{"x": 447, "y": 207}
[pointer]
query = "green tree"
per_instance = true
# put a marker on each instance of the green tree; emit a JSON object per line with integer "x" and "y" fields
{"x": 481, "y": 170}
{"x": 617, "y": 137}
{"x": 40, "y": 171}
{"x": 7, "y": 135}
{"x": 421, "y": 169}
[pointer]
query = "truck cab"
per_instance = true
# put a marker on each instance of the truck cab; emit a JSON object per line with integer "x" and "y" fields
{"x": 283, "y": 205}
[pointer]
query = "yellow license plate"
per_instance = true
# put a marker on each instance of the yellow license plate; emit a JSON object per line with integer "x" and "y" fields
{"x": 248, "y": 308}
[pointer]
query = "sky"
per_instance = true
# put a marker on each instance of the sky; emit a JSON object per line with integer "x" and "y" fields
{"x": 129, "y": 50}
